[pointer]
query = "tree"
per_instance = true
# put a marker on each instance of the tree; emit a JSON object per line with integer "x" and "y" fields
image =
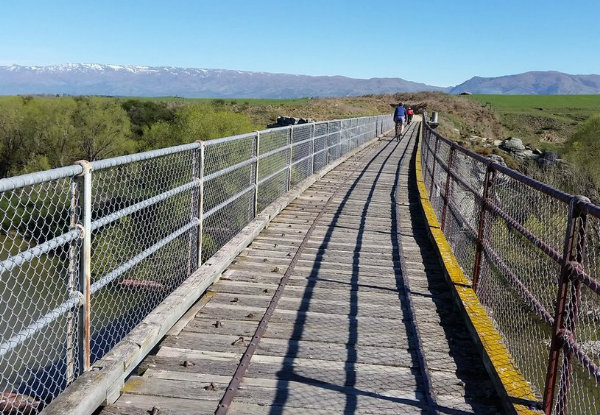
{"x": 102, "y": 129}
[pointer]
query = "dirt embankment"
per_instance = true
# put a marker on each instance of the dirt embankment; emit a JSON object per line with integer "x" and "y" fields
{"x": 459, "y": 117}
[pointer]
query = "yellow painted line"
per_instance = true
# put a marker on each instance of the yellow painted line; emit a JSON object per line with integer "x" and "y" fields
{"x": 512, "y": 379}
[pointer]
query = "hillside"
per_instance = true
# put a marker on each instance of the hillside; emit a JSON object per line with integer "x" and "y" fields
{"x": 536, "y": 82}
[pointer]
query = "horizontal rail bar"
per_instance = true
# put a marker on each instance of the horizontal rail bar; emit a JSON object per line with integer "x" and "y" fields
{"x": 17, "y": 182}
{"x": 111, "y": 276}
{"x": 229, "y": 169}
{"x": 590, "y": 209}
{"x": 39, "y": 250}
{"x": 570, "y": 345}
{"x": 143, "y": 204}
{"x": 215, "y": 141}
{"x": 537, "y": 242}
{"x": 579, "y": 274}
{"x": 47, "y": 319}
{"x": 491, "y": 207}
{"x": 512, "y": 277}
{"x": 274, "y": 151}
{"x": 270, "y": 176}
{"x": 132, "y": 158}
{"x": 303, "y": 159}
{"x": 228, "y": 201}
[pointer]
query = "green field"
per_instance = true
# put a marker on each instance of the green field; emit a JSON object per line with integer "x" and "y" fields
{"x": 546, "y": 121}
{"x": 524, "y": 103}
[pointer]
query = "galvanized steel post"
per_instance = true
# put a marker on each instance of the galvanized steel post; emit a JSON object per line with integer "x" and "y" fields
{"x": 312, "y": 149}
{"x": 200, "y": 201}
{"x": 74, "y": 251}
{"x": 85, "y": 267}
{"x": 288, "y": 183}
{"x": 256, "y": 154}
{"x": 339, "y": 141}
{"x": 327, "y": 149}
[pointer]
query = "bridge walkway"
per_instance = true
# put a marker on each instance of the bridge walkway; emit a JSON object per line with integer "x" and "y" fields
{"x": 344, "y": 337}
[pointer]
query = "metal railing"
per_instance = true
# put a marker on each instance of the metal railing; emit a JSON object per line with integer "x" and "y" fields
{"x": 531, "y": 253}
{"x": 87, "y": 251}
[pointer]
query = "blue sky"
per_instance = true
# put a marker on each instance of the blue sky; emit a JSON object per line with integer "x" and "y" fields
{"x": 437, "y": 42}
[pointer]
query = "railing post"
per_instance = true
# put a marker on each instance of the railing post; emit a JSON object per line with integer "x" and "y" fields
{"x": 447, "y": 187}
{"x": 573, "y": 250}
{"x": 427, "y": 136}
{"x": 427, "y": 139}
{"x": 85, "y": 266}
{"x": 327, "y": 149}
{"x": 312, "y": 149}
{"x": 74, "y": 251}
{"x": 288, "y": 184}
{"x": 200, "y": 201}
{"x": 490, "y": 174}
{"x": 339, "y": 143}
{"x": 256, "y": 154}
{"x": 437, "y": 146}
{"x": 424, "y": 149}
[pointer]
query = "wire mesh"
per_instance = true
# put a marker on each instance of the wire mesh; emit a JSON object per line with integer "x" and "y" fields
{"x": 39, "y": 271}
{"x": 145, "y": 218}
{"x": 301, "y": 153}
{"x": 583, "y": 317}
{"x": 123, "y": 297}
{"x": 523, "y": 235}
{"x": 320, "y": 149}
{"x": 333, "y": 141}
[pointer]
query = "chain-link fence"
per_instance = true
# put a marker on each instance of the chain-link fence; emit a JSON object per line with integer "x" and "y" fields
{"x": 531, "y": 254}
{"x": 87, "y": 251}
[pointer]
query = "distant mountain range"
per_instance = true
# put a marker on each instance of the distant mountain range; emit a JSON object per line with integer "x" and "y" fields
{"x": 129, "y": 80}
{"x": 95, "y": 79}
{"x": 528, "y": 83}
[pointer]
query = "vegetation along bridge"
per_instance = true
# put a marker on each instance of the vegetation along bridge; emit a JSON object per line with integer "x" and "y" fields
{"x": 313, "y": 269}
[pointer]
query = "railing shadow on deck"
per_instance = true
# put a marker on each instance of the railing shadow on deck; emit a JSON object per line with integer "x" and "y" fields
{"x": 470, "y": 368}
{"x": 286, "y": 374}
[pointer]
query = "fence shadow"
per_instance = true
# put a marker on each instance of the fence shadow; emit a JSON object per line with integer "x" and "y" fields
{"x": 349, "y": 387}
{"x": 470, "y": 371}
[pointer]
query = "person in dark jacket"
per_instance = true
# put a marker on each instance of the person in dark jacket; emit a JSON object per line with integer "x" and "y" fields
{"x": 399, "y": 119}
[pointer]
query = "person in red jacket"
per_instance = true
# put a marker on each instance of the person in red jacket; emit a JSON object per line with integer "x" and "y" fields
{"x": 409, "y": 115}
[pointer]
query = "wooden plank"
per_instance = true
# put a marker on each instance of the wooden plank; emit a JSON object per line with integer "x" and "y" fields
{"x": 299, "y": 395}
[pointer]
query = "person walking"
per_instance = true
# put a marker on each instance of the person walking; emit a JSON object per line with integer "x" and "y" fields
{"x": 399, "y": 118}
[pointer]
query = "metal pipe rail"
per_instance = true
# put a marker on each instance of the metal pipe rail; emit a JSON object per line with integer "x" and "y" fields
{"x": 87, "y": 251}
{"x": 532, "y": 255}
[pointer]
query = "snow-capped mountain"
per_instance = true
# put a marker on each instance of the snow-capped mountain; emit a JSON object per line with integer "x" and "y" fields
{"x": 130, "y": 80}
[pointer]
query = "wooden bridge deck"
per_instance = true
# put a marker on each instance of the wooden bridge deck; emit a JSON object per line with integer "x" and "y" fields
{"x": 341, "y": 338}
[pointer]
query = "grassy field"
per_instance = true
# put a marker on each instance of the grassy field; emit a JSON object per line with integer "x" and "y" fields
{"x": 544, "y": 121}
